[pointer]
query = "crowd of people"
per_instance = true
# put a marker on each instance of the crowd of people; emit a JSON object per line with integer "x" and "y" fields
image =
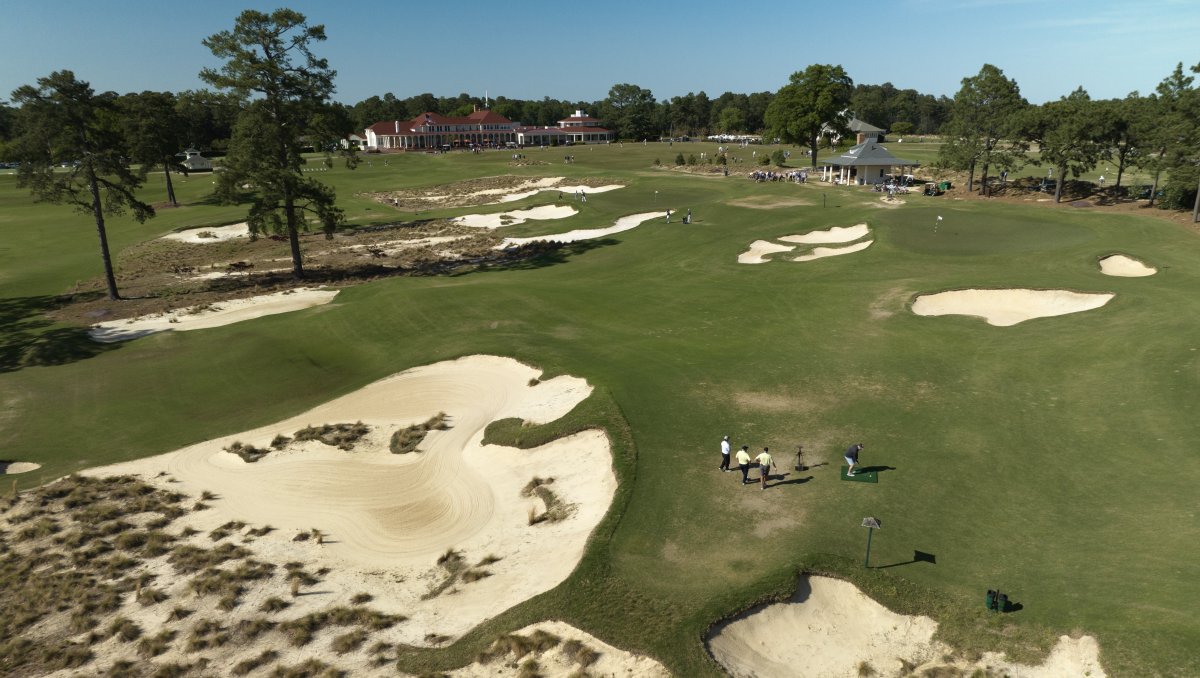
{"x": 798, "y": 176}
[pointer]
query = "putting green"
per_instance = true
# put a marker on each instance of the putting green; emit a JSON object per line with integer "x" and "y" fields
{"x": 860, "y": 476}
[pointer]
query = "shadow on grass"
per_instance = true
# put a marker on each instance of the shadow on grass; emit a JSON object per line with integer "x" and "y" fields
{"x": 29, "y": 338}
{"x": 877, "y": 469}
{"x": 918, "y": 557}
{"x": 790, "y": 481}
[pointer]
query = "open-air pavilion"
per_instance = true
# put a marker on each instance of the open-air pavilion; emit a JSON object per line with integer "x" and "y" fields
{"x": 866, "y": 163}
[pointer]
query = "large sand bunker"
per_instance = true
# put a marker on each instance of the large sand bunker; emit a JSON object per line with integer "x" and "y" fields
{"x": 624, "y": 223}
{"x": 830, "y": 235}
{"x": 211, "y": 234}
{"x": 12, "y": 468}
{"x": 513, "y": 197}
{"x": 759, "y": 249}
{"x": 515, "y": 217}
{"x": 822, "y": 252}
{"x": 213, "y": 315}
{"x": 830, "y": 628}
{"x": 387, "y": 518}
{"x": 486, "y": 191}
{"x": 1125, "y": 267}
{"x": 1004, "y": 307}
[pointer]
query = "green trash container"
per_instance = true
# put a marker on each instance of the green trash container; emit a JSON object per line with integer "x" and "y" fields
{"x": 945, "y": 185}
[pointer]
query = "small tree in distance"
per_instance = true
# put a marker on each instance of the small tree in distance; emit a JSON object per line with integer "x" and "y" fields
{"x": 268, "y": 55}
{"x": 63, "y": 121}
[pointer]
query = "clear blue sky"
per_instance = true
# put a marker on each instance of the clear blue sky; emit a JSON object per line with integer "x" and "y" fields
{"x": 532, "y": 48}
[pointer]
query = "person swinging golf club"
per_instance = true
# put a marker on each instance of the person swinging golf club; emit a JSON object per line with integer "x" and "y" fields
{"x": 852, "y": 458}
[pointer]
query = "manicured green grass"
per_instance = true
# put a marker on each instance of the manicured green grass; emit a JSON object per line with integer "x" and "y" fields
{"x": 1053, "y": 459}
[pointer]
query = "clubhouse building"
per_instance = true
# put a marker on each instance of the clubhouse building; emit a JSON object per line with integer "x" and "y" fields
{"x": 483, "y": 128}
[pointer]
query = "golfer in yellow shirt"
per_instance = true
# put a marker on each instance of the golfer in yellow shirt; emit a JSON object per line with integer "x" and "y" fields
{"x": 765, "y": 464}
{"x": 743, "y": 460}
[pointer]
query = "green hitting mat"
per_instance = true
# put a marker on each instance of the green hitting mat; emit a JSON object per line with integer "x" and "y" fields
{"x": 861, "y": 476}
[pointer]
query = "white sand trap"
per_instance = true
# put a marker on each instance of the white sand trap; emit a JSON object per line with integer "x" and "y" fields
{"x": 829, "y": 627}
{"x": 554, "y": 662}
{"x": 514, "y": 217}
{"x": 210, "y": 234}
{"x": 1125, "y": 267}
{"x": 822, "y": 252}
{"x": 625, "y": 223}
{"x": 759, "y": 249}
{"x": 512, "y": 197}
{"x": 830, "y": 235}
{"x": 221, "y": 313}
{"x": 536, "y": 184}
{"x": 1006, "y": 307}
{"x": 388, "y": 517}
{"x": 13, "y": 468}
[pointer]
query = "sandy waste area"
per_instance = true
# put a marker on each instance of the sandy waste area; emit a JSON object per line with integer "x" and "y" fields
{"x": 514, "y": 217}
{"x": 1125, "y": 267}
{"x": 387, "y": 519}
{"x": 496, "y": 191}
{"x": 565, "y": 190}
{"x": 624, "y": 223}
{"x": 212, "y": 315}
{"x": 1005, "y": 307}
{"x": 829, "y": 628}
{"x": 759, "y": 250}
{"x": 211, "y": 234}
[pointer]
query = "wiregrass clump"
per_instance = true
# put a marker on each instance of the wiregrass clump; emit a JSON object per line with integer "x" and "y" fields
{"x": 248, "y": 453}
{"x": 341, "y": 436}
{"x": 556, "y": 509}
{"x": 407, "y": 439}
{"x": 518, "y": 645}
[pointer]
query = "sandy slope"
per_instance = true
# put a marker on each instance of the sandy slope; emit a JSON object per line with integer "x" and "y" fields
{"x": 387, "y": 518}
{"x": 515, "y": 217}
{"x": 218, "y": 233}
{"x": 831, "y": 235}
{"x": 566, "y": 190}
{"x": 759, "y": 249}
{"x": 1125, "y": 267}
{"x": 829, "y": 627}
{"x": 624, "y": 223}
{"x": 222, "y": 313}
{"x": 611, "y": 662}
{"x": 1004, "y": 307}
{"x": 822, "y": 252}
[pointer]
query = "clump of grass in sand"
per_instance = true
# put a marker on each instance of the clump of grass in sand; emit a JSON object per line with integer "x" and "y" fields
{"x": 247, "y": 665}
{"x": 280, "y": 441}
{"x": 124, "y": 629}
{"x": 518, "y": 645}
{"x": 530, "y": 669}
{"x": 556, "y": 509}
{"x": 408, "y": 438}
{"x": 349, "y": 642}
{"x": 152, "y": 646}
{"x": 361, "y": 598}
{"x": 313, "y": 668}
{"x": 187, "y": 558}
{"x": 207, "y": 634}
{"x": 274, "y": 604}
{"x": 151, "y": 596}
{"x": 579, "y": 653}
{"x": 248, "y": 453}
{"x": 341, "y": 436}
{"x": 249, "y": 629}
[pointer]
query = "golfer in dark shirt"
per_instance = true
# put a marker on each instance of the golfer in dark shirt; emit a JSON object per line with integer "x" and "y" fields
{"x": 852, "y": 458}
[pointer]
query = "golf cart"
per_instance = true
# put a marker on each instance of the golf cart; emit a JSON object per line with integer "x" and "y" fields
{"x": 932, "y": 188}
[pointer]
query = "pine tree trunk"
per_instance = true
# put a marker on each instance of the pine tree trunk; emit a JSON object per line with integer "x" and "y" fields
{"x": 971, "y": 178}
{"x": 983, "y": 187}
{"x": 1154, "y": 187}
{"x": 289, "y": 208}
{"x": 170, "y": 188}
{"x": 1196, "y": 205}
{"x": 812, "y": 147}
{"x": 1120, "y": 171}
{"x": 1058, "y": 183}
{"x": 98, "y": 211}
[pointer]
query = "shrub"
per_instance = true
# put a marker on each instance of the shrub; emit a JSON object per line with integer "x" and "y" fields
{"x": 764, "y": 159}
{"x": 579, "y": 653}
{"x": 721, "y": 159}
{"x": 679, "y": 159}
{"x": 779, "y": 158}
{"x": 691, "y": 159}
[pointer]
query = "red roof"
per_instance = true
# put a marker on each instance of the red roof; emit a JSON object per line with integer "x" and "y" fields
{"x": 482, "y": 117}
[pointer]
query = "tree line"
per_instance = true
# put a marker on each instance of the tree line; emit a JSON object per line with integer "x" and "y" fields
{"x": 272, "y": 101}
